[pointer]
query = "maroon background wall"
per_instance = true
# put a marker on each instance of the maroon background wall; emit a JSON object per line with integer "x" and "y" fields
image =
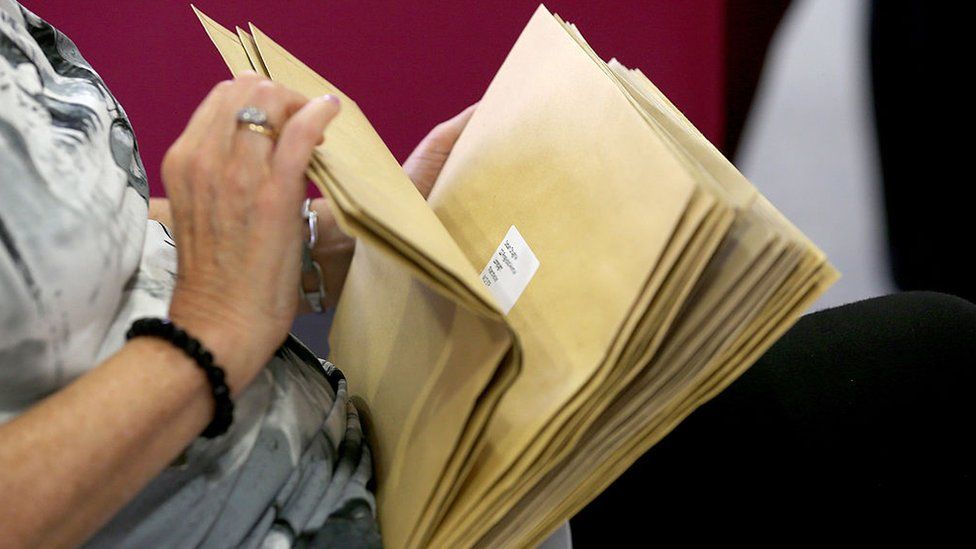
{"x": 408, "y": 64}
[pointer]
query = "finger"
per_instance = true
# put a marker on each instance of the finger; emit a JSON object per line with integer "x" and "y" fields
{"x": 279, "y": 104}
{"x": 210, "y": 139}
{"x": 207, "y": 116}
{"x": 248, "y": 160}
{"x": 447, "y": 133}
{"x": 298, "y": 138}
{"x": 180, "y": 158}
{"x": 441, "y": 139}
{"x": 425, "y": 162}
{"x": 204, "y": 114}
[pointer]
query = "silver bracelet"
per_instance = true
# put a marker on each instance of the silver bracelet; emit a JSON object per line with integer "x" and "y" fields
{"x": 314, "y": 298}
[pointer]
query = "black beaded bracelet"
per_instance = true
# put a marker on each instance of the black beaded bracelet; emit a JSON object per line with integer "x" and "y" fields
{"x": 165, "y": 329}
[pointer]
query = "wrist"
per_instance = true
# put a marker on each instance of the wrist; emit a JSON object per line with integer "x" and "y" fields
{"x": 333, "y": 252}
{"x": 334, "y": 266}
{"x": 168, "y": 331}
{"x": 225, "y": 338}
{"x": 155, "y": 350}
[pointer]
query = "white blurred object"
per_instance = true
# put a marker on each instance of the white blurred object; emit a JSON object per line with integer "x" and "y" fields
{"x": 560, "y": 539}
{"x": 809, "y": 143}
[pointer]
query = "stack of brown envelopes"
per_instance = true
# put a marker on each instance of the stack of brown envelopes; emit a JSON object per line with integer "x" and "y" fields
{"x": 587, "y": 271}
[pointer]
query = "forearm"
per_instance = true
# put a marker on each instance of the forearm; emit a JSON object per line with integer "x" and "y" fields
{"x": 72, "y": 461}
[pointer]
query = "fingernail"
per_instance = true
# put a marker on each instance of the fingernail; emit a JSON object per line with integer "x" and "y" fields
{"x": 329, "y": 98}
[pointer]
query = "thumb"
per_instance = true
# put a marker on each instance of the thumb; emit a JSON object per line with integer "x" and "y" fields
{"x": 299, "y": 137}
{"x": 426, "y": 161}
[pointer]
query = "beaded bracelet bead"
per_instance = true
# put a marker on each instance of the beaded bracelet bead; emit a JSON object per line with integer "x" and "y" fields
{"x": 164, "y": 329}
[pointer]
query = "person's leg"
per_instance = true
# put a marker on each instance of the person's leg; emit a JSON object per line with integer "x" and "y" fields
{"x": 862, "y": 407}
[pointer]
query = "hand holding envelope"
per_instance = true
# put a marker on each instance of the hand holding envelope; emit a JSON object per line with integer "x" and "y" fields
{"x": 587, "y": 271}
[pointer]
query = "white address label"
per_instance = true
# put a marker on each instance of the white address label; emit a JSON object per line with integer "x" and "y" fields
{"x": 510, "y": 269}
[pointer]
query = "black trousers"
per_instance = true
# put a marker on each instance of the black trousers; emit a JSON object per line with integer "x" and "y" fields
{"x": 865, "y": 409}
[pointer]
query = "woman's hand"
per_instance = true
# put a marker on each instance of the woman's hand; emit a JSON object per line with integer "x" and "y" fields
{"x": 235, "y": 197}
{"x": 333, "y": 250}
{"x": 71, "y": 461}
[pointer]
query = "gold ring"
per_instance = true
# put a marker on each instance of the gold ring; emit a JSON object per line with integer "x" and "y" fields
{"x": 256, "y": 120}
{"x": 262, "y": 129}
